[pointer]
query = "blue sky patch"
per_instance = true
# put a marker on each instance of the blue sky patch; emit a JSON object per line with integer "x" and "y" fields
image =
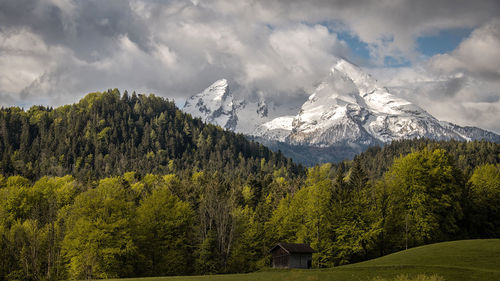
{"x": 443, "y": 42}
{"x": 358, "y": 47}
{"x": 396, "y": 62}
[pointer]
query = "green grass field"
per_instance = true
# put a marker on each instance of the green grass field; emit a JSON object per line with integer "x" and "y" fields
{"x": 457, "y": 260}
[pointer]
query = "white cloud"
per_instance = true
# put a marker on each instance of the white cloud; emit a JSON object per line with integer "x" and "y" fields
{"x": 22, "y": 59}
{"x": 478, "y": 55}
{"x": 62, "y": 49}
{"x": 460, "y": 87}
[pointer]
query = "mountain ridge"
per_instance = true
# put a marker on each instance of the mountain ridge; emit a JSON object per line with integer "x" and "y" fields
{"x": 349, "y": 109}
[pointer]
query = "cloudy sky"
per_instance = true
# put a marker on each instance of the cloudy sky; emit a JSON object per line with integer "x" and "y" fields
{"x": 444, "y": 55}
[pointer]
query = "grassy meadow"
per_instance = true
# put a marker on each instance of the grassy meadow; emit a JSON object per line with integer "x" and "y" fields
{"x": 457, "y": 260}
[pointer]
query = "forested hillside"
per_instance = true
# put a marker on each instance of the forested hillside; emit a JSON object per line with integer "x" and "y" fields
{"x": 124, "y": 186}
{"x": 466, "y": 155}
{"x": 108, "y": 134}
{"x": 120, "y": 185}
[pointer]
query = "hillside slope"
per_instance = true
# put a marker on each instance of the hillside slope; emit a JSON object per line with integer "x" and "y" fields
{"x": 456, "y": 260}
{"x": 474, "y": 255}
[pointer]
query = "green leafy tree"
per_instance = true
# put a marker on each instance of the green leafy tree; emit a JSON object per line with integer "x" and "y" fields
{"x": 165, "y": 235}
{"x": 426, "y": 190}
{"x": 30, "y": 229}
{"x": 99, "y": 242}
{"x": 484, "y": 199}
{"x": 248, "y": 245}
{"x": 208, "y": 260}
{"x": 354, "y": 218}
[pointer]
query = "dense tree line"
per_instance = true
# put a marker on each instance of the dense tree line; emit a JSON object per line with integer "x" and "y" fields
{"x": 59, "y": 228}
{"x": 466, "y": 155}
{"x": 214, "y": 202}
{"x": 128, "y": 225}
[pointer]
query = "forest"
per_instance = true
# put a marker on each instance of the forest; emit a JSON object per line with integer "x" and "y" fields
{"x": 121, "y": 185}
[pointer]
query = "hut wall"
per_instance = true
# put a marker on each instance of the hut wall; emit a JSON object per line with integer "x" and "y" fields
{"x": 280, "y": 258}
{"x": 300, "y": 260}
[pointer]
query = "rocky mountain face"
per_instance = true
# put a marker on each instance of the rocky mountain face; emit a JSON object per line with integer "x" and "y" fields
{"x": 214, "y": 105}
{"x": 351, "y": 107}
{"x": 217, "y": 105}
{"x": 348, "y": 111}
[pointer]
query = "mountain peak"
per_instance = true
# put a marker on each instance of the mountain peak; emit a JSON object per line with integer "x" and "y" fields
{"x": 214, "y": 105}
{"x": 351, "y": 107}
{"x": 218, "y": 89}
{"x": 350, "y": 69}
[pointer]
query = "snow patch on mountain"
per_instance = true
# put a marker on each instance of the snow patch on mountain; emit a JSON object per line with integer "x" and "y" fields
{"x": 276, "y": 130}
{"x": 214, "y": 105}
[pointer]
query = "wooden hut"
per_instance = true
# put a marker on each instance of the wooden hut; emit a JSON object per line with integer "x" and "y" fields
{"x": 288, "y": 255}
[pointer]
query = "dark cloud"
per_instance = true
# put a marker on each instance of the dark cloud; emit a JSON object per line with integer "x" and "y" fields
{"x": 86, "y": 27}
{"x": 452, "y": 86}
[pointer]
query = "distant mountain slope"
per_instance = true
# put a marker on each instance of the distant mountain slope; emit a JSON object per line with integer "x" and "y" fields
{"x": 109, "y": 134}
{"x": 348, "y": 111}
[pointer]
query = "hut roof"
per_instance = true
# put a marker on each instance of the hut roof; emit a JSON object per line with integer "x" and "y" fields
{"x": 294, "y": 248}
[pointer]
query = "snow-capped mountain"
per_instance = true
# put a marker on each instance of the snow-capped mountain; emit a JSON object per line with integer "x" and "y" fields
{"x": 217, "y": 105}
{"x": 214, "y": 105}
{"x": 349, "y": 108}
